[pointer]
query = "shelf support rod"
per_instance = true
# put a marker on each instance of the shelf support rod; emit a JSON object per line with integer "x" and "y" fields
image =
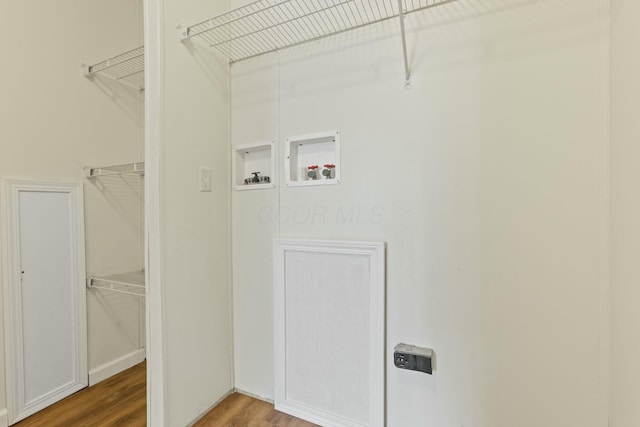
{"x": 407, "y": 72}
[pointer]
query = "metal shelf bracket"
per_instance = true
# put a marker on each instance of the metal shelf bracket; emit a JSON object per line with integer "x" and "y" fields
{"x": 407, "y": 72}
{"x": 183, "y": 33}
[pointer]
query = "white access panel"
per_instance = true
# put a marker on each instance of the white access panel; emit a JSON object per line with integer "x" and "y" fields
{"x": 45, "y": 295}
{"x": 330, "y": 331}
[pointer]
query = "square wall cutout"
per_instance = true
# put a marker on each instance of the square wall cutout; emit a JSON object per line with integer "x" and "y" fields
{"x": 254, "y": 166}
{"x": 313, "y": 159}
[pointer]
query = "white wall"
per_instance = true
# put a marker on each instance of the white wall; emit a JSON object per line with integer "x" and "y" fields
{"x": 54, "y": 122}
{"x": 625, "y": 174}
{"x": 489, "y": 181}
{"x": 194, "y": 226}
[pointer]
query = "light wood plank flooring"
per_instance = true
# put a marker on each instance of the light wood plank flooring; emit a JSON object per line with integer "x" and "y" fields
{"x": 121, "y": 401}
{"x": 117, "y": 401}
{"x": 239, "y": 410}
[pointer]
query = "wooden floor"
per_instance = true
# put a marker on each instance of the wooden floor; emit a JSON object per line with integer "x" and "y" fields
{"x": 239, "y": 410}
{"x": 121, "y": 401}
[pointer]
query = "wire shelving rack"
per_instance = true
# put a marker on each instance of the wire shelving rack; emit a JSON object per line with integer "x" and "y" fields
{"x": 126, "y": 68}
{"x": 266, "y": 26}
{"x": 132, "y": 283}
{"x": 133, "y": 168}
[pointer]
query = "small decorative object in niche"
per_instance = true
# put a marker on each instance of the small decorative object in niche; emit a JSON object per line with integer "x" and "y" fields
{"x": 305, "y": 153}
{"x": 254, "y": 166}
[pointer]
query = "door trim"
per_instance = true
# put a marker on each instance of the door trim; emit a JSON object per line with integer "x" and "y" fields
{"x": 17, "y": 408}
{"x": 154, "y": 38}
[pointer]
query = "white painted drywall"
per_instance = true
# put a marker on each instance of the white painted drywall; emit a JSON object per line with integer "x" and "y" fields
{"x": 194, "y": 226}
{"x": 625, "y": 198}
{"x": 54, "y": 122}
{"x": 489, "y": 181}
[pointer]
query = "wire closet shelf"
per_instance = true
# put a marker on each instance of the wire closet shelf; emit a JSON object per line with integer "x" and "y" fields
{"x": 270, "y": 25}
{"x": 129, "y": 168}
{"x": 131, "y": 283}
{"x": 126, "y": 68}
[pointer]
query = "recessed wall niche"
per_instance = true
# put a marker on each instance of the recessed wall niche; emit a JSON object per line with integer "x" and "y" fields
{"x": 313, "y": 159}
{"x": 254, "y": 166}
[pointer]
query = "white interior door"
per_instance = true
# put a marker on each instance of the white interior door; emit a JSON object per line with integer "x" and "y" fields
{"x": 45, "y": 311}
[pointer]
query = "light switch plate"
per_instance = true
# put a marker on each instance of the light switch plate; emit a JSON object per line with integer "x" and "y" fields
{"x": 205, "y": 180}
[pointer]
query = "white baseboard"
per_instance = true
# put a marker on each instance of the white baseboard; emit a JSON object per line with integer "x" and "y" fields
{"x": 4, "y": 421}
{"x": 116, "y": 366}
